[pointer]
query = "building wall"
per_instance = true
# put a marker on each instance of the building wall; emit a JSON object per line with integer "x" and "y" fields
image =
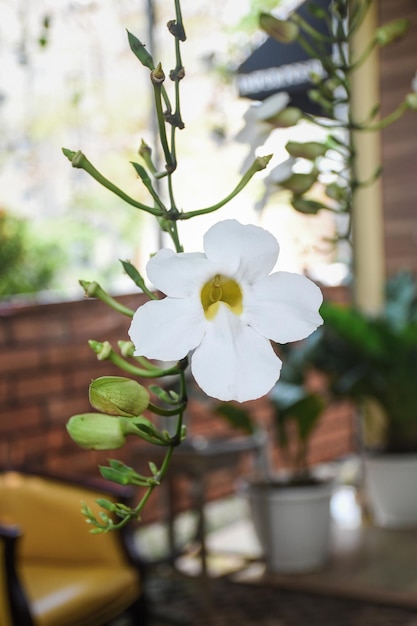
{"x": 399, "y": 141}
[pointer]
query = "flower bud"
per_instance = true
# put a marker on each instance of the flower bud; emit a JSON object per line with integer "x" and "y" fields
{"x": 95, "y": 431}
{"x": 145, "y": 151}
{"x": 391, "y": 32}
{"x": 299, "y": 183}
{"x": 102, "y": 349}
{"x": 411, "y": 101}
{"x": 308, "y": 207}
{"x": 158, "y": 75}
{"x": 127, "y": 349}
{"x": 287, "y": 117}
{"x": 308, "y": 150}
{"x": 283, "y": 31}
{"x": 116, "y": 395}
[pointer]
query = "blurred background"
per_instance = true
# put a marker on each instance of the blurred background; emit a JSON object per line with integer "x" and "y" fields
{"x": 70, "y": 80}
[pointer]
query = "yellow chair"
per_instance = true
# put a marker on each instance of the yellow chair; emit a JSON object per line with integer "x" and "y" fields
{"x": 65, "y": 575}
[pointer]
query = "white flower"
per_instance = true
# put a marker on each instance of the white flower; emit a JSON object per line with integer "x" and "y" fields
{"x": 257, "y": 125}
{"x": 224, "y": 307}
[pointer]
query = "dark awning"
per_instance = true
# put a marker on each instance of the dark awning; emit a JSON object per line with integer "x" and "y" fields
{"x": 275, "y": 67}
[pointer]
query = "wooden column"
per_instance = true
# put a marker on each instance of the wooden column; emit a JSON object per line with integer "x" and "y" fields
{"x": 367, "y": 224}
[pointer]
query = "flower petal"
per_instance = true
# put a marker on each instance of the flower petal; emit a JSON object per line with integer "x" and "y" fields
{"x": 245, "y": 252}
{"x": 167, "y": 329}
{"x": 283, "y": 307}
{"x": 178, "y": 274}
{"x": 233, "y": 362}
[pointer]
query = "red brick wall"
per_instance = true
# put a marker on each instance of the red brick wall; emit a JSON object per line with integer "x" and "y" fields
{"x": 399, "y": 145}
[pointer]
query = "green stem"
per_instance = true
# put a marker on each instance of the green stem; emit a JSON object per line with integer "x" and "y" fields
{"x": 94, "y": 290}
{"x": 259, "y": 164}
{"x": 134, "y": 513}
{"x": 106, "y": 353}
{"x": 165, "y": 412}
{"x": 316, "y": 35}
{"x": 79, "y": 160}
{"x": 389, "y": 119}
{"x": 170, "y": 165}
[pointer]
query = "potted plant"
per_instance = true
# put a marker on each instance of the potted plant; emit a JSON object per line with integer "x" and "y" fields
{"x": 373, "y": 362}
{"x": 291, "y": 508}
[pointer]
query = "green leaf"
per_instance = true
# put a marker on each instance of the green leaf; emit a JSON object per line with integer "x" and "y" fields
{"x": 352, "y": 325}
{"x": 106, "y": 504}
{"x": 140, "y": 51}
{"x": 236, "y": 416}
{"x": 305, "y": 411}
{"x": 134, "y": 274}
{"x": 115, "y": 476}
{"x": 169, "y": 396}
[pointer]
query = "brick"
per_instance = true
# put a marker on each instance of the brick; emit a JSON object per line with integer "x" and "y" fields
{"x": 5, "y": 333}
{"x": 104, "y": 325}
{"x": 60, "y": 408}
{"x": 5, "y": 394}
{"x": 40, "y": 385}
{"x": 19, "y": 359}
{"x": 16, "y": 418}
{"x": 32, "y": 329}
{"x": 71, "y": 354}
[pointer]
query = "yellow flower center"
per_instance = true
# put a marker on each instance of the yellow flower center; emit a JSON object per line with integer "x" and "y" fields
{"x": 221, "y": 289}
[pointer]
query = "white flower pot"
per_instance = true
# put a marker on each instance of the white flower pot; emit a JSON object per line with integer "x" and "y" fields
{"x": 391, "y": 489}
{"x": 292, "y": 524}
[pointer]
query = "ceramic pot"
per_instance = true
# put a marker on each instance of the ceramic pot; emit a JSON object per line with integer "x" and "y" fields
{"x": 391, "y": 489}
{"x": 292, "y": 524}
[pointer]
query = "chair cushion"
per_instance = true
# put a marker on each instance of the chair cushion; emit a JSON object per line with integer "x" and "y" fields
{"x": 49, "y": 514}
{"x": 78, "y": 595}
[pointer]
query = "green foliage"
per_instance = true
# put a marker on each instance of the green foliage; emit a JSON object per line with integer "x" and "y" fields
{"x": 236, "y": 416}
{"x": 296, "y": 409}
{"x": 375, "y": 358}
{"x": 333, "y": 93}
{"x": 28, "y": 260}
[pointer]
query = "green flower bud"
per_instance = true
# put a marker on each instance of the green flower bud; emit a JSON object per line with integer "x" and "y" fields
{"x": 158, "y": 75}
{"x": 145, "y": 151}
{"x": 127, "y": 348}
{"x": 391, "y": 32}
{"x": 283, "y": 31}
{"x": 336, "y": 192}
{"x": 411, "y": 101}
{"x": 308, "y": 150}
{"x": 116, "y": 395}
{"x": 287, "y": 117}
{"x": 308, "y": 207}
{"x": 102, "y": 349}
{"x": 261, "y": 162}
{"x": 95, "y": 431}
{"x": 300, "y": 183}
